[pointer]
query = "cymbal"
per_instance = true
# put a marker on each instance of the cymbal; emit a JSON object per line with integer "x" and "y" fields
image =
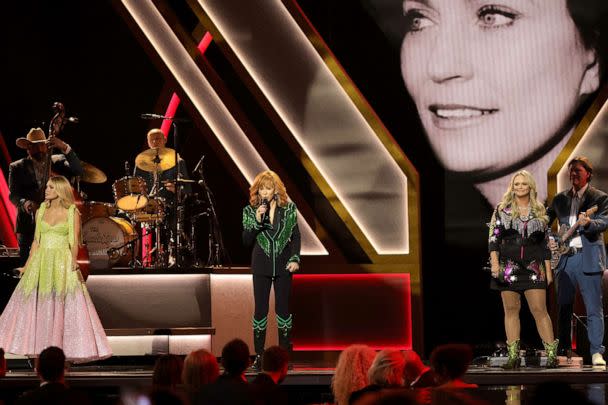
{"x": 156, "y": 159}
{"x": 91, "y": 174}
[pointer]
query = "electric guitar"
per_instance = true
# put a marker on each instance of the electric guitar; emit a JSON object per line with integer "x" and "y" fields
{"x": 563, "y": 237}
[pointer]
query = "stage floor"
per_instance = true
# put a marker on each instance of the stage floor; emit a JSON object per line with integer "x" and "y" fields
{"x": 318, "y": 374}
{"x": 308, "y": 383}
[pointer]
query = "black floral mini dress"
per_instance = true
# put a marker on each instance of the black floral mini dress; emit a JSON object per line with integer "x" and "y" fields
{"x": 522, "y": 246}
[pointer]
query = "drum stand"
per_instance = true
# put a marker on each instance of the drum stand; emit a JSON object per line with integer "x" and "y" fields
{"x": 160, "y": 259}
{"x": 196, "y": 261}
{"x": 159, "y": 250}
{"x": 134, "y": 263}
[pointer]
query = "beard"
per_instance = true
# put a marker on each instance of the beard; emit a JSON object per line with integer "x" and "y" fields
{"x": 38, "y": 156}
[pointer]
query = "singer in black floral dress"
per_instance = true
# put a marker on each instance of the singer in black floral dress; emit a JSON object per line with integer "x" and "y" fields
{"x": 520, "y": 259}
{"x": 270, "y": 226}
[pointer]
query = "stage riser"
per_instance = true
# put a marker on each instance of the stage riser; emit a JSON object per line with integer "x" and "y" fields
{"x": 152, "y": 301}
{"x": 157, "y": 345}
{"x": 232, "y": 311}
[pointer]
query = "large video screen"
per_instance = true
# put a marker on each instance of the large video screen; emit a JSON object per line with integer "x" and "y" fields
{"x": 499, "y": 86}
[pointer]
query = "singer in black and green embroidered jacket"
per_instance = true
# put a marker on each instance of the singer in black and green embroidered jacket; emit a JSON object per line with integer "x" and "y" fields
{"x": 270, "y": 227}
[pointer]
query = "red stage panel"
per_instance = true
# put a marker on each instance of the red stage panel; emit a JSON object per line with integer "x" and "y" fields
{"x": 333, "y": 311}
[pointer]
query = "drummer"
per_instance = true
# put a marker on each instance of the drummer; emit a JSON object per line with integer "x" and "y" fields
{"x": 156, "y": 139}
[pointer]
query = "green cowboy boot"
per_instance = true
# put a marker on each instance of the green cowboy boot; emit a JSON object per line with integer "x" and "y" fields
{"x": 514, "y": 361}
{"x": 551, "y": 352}
{"x": 259, "y": 340}
{"x": 284, "y": 325}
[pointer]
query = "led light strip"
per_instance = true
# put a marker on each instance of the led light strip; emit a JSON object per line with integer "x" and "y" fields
{"x": 207, "y": 102}
{"x": 404, "y": 342}
{"x": 584, "y": 147}
{"x": 174, "y": 103}
{"x": 322, "y": 118}
{"x": 8, "y": 214}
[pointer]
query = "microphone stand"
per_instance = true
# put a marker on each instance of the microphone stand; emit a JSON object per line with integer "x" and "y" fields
{"x": 178, "y": 209}
{"x": 217, "y": 252}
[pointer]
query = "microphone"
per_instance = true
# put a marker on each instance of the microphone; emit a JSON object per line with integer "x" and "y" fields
{"x": 127, "y": 168}
{"x": 148, "y": 116}
{"x": 265, "y": 203}
{"x": 73, "y": 120}
{"x": 199, "y": 165}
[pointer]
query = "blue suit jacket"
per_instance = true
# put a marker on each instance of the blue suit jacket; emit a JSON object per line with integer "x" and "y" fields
{"x": 592, "y": 236}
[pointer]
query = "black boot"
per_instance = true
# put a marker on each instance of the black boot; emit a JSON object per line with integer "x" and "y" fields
{"x": 284, "y": 325}
{"x": 259, "y": 340}
{"x": 257, "y": 363}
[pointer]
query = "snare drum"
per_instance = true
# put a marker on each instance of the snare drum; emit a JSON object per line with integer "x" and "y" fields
{"x": 103, "y": 236}
{"x": 153, "y": 211}
{"x": 130, "y": 193}
{"x": 92, "y": 209}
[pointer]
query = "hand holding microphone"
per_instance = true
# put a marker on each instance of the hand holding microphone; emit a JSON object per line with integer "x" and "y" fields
{"x": 261, "y": 213}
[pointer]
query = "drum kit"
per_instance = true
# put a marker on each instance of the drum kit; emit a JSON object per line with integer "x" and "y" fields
{"x": 114, "y": 232}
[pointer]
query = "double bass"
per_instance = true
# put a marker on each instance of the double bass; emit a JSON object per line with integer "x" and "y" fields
{"x": 55, "y": 127}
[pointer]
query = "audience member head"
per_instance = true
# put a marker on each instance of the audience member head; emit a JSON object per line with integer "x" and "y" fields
{"x": 413, "y": 366}
{"x": 450, "y": 362}
{"x": 200, "y": 368}
{"x": 167, "y": 371}
{"x": 387, "y": 369}
{"x": 275, "y": 362}
{"x": 235, "y": 357}
{"x": 351, "y": 371}
{"x": 51, "y": 364}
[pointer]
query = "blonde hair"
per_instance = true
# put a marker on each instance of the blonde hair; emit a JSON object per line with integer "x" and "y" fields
{"x": 387, "y": 368}
{"x": 509, "y": 201}
{"x": 351, "y": 372}
{"x": 154, "y": 131}
{"x": 268, "y": 178}
{"x": 200, "y": 368}
{"x": 63, "y": 188}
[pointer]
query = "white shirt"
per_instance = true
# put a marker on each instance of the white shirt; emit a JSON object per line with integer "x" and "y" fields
{"x": 575, "y": 209}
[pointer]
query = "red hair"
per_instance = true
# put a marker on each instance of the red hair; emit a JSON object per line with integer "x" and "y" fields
{"x": 268, "y": 178}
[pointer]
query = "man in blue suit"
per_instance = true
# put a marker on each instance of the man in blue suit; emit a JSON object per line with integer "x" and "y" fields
{"x": 584, "y": 264}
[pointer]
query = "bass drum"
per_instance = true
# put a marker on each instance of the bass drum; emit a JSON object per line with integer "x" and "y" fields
{"x": 103, "y": 237}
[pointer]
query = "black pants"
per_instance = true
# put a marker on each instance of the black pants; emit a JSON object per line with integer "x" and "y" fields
{"x": 261, "y": 294}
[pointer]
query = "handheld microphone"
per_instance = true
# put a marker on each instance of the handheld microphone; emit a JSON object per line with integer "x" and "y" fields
{"x": 265, "y": 203}
{"x": 73, "y": 120}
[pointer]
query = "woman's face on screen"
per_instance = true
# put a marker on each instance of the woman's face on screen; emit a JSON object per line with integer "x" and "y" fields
{"x": 493, "y": 81}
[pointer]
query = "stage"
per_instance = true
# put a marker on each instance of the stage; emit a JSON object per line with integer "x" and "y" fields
{"x": 150, "y": 312}
{"x": 310, "y": 382}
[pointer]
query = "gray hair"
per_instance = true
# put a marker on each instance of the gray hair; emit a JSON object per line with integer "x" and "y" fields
{"x": 387, "y": 368}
